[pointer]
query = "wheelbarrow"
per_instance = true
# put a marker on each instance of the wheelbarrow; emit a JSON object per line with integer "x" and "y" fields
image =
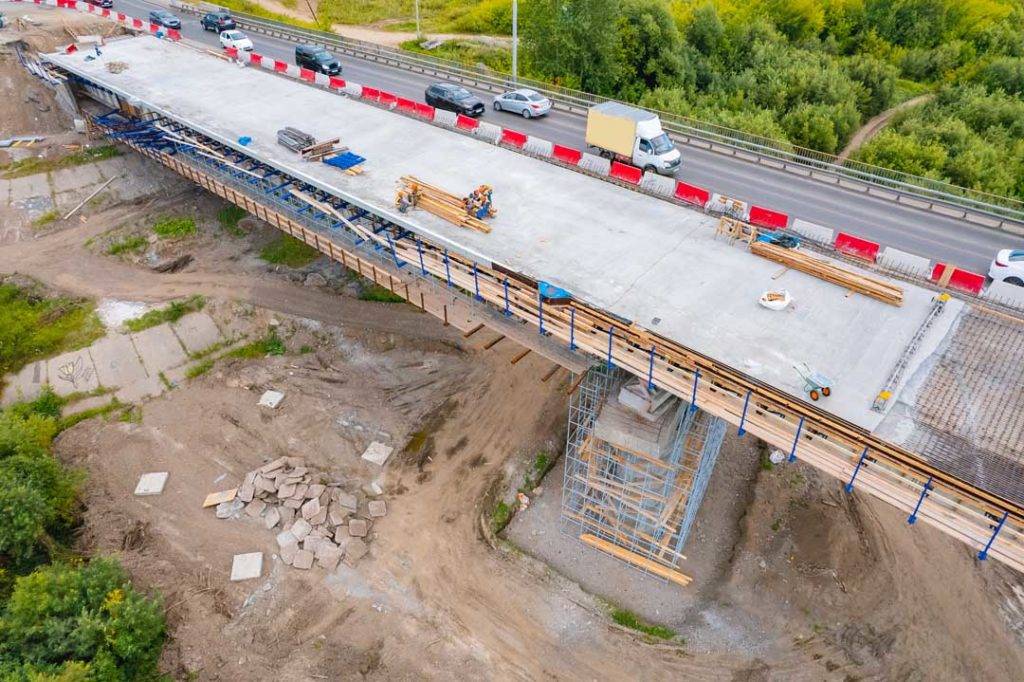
{"x": 815, "y": 383}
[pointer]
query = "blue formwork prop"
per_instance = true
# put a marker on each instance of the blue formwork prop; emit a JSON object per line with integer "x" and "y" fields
{"x": 345, "y": 161}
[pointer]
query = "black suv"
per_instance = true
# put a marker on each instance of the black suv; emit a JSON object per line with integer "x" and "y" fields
{"x": 454, "y": 98}
{"x": 218, "y": 22}
{"x": 317, "y": 59}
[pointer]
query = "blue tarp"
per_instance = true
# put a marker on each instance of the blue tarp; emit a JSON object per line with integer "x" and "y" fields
{"x": 344, "y": 161}
{"x": 550, "y": 291}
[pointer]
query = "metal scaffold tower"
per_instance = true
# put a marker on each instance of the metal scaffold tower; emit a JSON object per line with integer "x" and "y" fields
{"x": 637, "y": 465}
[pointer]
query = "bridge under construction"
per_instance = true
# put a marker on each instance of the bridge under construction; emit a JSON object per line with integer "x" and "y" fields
{"x": 653, "y": 305}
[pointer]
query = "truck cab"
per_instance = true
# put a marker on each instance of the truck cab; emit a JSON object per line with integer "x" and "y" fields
{"x": 632, "y": 136}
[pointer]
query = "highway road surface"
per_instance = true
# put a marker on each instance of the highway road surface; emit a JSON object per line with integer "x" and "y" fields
{"x": 903, "y": 227}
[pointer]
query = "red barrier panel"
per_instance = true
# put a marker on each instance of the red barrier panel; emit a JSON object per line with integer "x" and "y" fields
{"x": 105, "y": 13}
{"x": 768, "y": 218}
{"x": 153, "y": 28}
{"x": 280, "y": 67}
{"x": 231, "y": 52}
{"x": 406, "y": 105}
{"x": 513, "y": 137}
{"x": 387, "y": 99}
{"x": 174, "y": 34}
{"x": 307, "y": 75}
{"x": 622, "y": 171}
{"x": 121, "y": 17}
{"x": 424, "y": 110}
{"x": 964, "y": 280}
{"x": 337, "y": 83}
{"x": 136, "y": 23}
{"x": 692, "y": 194}
{"x": 566, "y": 154}
{"x": 857, "y": 247}
{"x": 466, "y": 123}
{"x": 370, "y": 93}
{"x": 255, "y": 58}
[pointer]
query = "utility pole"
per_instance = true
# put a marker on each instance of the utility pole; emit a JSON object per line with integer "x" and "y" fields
{"x": 515, "y": 42}
{"x": 419, "y": 33}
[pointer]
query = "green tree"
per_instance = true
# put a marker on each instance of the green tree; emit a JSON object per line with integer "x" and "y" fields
{"x": 62, "y": 620}
{"x": 650, "y": 49}
{"x": 706, "y": 32}
{"x": 573, "y": 42}
{"x": 878, "y": 80}
{"x": 797, "y": 19}
{"x": 811, "y": 126}
{"x": 910, "y": 23}
{"x": 1006, "y": 74}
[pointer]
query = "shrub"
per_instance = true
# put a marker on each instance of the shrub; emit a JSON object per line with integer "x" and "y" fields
{"x": 127, "y": 244}
{"x": 289, "y": 251}
{"x": 175, "y": 227}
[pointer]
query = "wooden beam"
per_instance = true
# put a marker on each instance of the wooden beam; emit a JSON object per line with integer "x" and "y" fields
{"x": 472, "y": 331}
{"x": 639, "y": 561}
{"x": 519, "y": 357}
{"x": 550, "y": 374}
{"x": 495, "y": 342}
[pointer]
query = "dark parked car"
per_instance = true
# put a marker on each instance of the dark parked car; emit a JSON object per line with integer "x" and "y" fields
{"x": 162, "y": 17}
{"x": 105, "y": 4}
{"x": 218, "y": 22}
{"x": 317, "y": 59}
{"x": 454, "y": 98}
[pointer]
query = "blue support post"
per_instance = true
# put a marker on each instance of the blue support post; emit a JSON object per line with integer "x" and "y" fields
{"x": 693, "y": 395}
{"x": 476, "y": 284}
{"x": 609, "y": 360}
{"x": 650, "y": 371}
{"x": 572, "y": 329}
{"x": 508, "y": 311}
{"x": 394, "y": 254}
{"x": 983, "y": 554}
{"x": 912, "y": 519}
{"x": 849, "y": 486}
{"x": 540, "y": 312}
{"x": 743, "y": 417}
{"x": 447, "y": 268}
{"x": 419, "y": 248}
{"x": 796, "y": 441}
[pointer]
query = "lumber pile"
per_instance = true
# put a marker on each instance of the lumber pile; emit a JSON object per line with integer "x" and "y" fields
{"x": 823, "y": 269}
{"x": 414, "y": 192}
{"x": 322, "y": 150}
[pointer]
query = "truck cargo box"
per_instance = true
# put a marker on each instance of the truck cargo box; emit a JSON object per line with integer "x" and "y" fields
{"x": 612, "y": 126}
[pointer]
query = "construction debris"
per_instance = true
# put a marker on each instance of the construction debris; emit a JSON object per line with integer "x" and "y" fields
{"x": 314, "y": 520}
{"x": 377, "y": 453}
{"x": 151, "y": 484}
{"x": 117, "y": 67}
{"x": 775, "y": 300}
{"x": 246, "y": 566}
{"x": 295, "y": 139}
{"x": 271, "y": 399}
{"x": 464, "y": 212}
{"x": 217, "y": 498}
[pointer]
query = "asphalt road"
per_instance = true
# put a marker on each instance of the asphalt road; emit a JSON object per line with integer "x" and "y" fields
{"x": 903, "y": 227}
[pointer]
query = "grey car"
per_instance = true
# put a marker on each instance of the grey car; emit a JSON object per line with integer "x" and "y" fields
{"x": 525, "y": 102}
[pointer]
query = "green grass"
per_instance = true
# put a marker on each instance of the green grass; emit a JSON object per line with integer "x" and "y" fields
{"x": 33, "y": 326}
{"x": 260, "y": 11}
{"x": 305, "y": 349}
{"x": 34, "y": 165}
{"x": 229, "y": 217}
{"x": 131, "y": 415}
{"x": 271, "y": 344}
{"x": 532, "y": 477}
{"x": 289, "y": 251}
{"x": 211, "y": 349}
{"x": 628, "y": 619}
{"x": 172, "y": 312}
{"x": 466, "y": 52}
{"x": 129, "y": 244}
{"x": 51, "y": 216}
{"x": 501, "y": 515}
{"x": 199, "y": 369}
{"x": 99, "y": 411}
{"x": 165, "y": 381}
{"x": 375, "y": 292}
{"x": 175, "y": 227}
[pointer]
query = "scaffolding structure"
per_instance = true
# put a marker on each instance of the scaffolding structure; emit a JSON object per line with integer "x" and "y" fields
{"x": 633, "y": 481}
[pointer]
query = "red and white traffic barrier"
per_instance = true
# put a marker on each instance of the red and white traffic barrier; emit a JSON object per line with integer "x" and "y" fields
{"x": 856, "y": 247}
{"x": 120, "y": 18}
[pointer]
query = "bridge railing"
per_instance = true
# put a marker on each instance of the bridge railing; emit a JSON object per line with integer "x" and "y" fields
{"x": 942, "y": 197}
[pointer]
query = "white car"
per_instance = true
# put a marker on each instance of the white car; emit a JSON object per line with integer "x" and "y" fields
{"x": 1008, "y": 267}
{"x": 235, "y": 39}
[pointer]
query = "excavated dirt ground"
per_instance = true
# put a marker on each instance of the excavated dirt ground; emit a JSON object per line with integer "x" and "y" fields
{"x": 824, "y": 585}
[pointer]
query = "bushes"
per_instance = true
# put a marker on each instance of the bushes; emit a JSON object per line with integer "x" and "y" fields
{"x": 175, "y": 227}
{"x": 80, "y": 622}
{"x": 289, "y": 251}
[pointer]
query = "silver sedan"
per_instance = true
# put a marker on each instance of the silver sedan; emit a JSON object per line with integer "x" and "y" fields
{"x": 525, "y": 102}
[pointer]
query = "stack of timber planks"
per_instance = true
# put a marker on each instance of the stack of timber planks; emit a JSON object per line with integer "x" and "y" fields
{"x": 828, "y": 271}
{"x": 442, "y": 204}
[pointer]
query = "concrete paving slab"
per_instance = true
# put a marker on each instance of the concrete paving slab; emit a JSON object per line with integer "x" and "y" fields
{"x": 271, "y": 399}
{"x": 246, "y": 566}
{"x": 81, "y": 177}
{"x": 117, "y": 364}
{"x": 26, "y": 384}
{"x": 649, "y": 261}
{"x": 151, "y": 483}
{"x": 197, "y": 331}
{"x": 72, "y": 372}
{"x": 29, "y": 186}
{"x": 377, "y": 453}
{"x": 159, "y": 348}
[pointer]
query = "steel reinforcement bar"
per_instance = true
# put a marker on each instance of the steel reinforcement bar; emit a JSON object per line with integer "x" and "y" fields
{"x": 920, "y": 192}
{"x": 987, "y": 522}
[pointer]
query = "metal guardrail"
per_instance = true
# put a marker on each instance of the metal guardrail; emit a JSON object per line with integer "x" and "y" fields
{"x": 941, "y": 197}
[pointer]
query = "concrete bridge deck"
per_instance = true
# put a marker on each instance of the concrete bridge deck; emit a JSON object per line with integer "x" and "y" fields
{"x": 648, "y": 261}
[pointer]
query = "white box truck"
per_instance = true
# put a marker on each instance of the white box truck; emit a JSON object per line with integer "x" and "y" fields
{"x": 632, "y": 136}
